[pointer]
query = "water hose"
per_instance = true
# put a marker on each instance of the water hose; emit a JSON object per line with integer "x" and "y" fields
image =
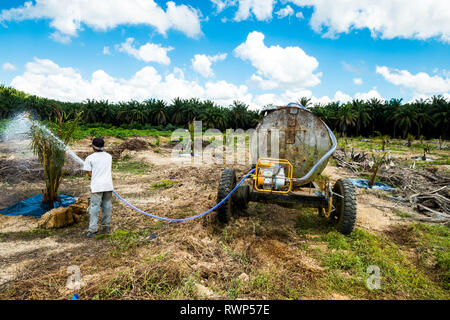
{"x": 190, "y": 218}
{"x": 297, "y": 180}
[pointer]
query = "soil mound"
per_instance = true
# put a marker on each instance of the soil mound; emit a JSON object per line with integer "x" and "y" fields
{"x": 130, "y": 144}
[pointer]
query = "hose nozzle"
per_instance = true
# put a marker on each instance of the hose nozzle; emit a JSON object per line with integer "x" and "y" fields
{"x": 27, "y": 115}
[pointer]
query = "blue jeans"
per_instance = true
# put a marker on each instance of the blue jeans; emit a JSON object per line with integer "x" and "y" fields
{"x": 103, "y": 200}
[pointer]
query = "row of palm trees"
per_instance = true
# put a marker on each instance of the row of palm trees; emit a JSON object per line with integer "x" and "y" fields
{"x": 151, "y": 112}
{"x": 423, "y": 117}
{"x": 429, "y": 118}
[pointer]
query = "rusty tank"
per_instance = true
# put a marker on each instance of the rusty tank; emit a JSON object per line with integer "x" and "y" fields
{"x": 290, "y": 147}
{"x": 293, "y": 133}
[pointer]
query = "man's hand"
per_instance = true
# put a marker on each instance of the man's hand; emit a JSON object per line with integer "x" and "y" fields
{"x": 89, "y": 173}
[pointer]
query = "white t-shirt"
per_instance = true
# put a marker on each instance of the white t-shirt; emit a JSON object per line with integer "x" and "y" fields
{"x": 100, "y": 164}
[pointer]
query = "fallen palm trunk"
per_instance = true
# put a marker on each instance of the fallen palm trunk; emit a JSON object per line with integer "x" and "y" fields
{"x": 358, "y": 163}
{"x": 63, "y": 217}
{"x": 433, "y": 204}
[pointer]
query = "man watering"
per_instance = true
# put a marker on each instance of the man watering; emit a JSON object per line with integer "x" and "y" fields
{"x": 98, "y": 167}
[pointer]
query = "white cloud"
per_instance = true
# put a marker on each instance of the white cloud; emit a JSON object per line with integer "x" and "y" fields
{"x": 369, "y": 95}
{"x": 263, "y": 83}
{"x": 294, "y": 95}
{"x": 357, "y": 81}
{"x": 68, "y": 17}
{"x": 299, "y": 15}
{"x": 202, "y": 63}
{"x": 148, "y": 52}
{"x": 222, "y": 4}
{"x": 285, "y": 12}
{"x": 8, "y": 66}
{"x": 357, "y": 68}
{"x": 261, "y": 9}
{"x": 45, "y": 78}
{"x": 285, "y": 68}
{"x": 421, "y": 83}
{"x": 342, "y": 97}
{"x": 106, "y": 50}
{"x": 414, "y": 19}
{"x": 61, "y": 38}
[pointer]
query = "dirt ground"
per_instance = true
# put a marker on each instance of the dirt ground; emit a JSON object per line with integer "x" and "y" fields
{"x": 33, "y": 262}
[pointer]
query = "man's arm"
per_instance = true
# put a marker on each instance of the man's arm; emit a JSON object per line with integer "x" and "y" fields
{"x": 88, "y": 167}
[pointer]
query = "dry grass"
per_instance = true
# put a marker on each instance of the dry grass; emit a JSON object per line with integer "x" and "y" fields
{"x": 269, "y": 252}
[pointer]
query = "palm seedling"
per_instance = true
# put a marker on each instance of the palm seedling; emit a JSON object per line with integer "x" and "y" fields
{"x": 410, "y": 139}
{"x": 378, "y": 160}
{"x": 385, "y": 140}
{"x": 421, "y": 139}
{"x": 49, "y": 144}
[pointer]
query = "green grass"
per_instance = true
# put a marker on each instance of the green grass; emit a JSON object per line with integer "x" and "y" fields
{"x": 401, "y": 214}
{"x": 157, "y": 142}
{"x": 31, "y": 234}
{"x": 163, "y": 185}
{"x": 434, "y": 162}
{"x": 433, "y": 242}
{"x": 157, "y": 279}
{"x": 355, "y": 253}
{"x": 347, "y": 258}
{"x": 376, "y": 143}
{"x": 239, "y": 256}
{"x": 309, "y": 222}
{"x": 123, "y": 240}
{"x": 149, "y": 283}
{"x": 134, "y": 167}
{"x": 85, "y": 131}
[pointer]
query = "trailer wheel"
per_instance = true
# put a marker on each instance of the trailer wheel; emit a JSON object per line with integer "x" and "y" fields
{"x": 344, "y": 203}
{"x": 226, "y": 184}
{"x": 240, "y": 198}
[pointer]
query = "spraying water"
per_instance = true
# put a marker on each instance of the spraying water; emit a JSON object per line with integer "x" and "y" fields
{"x": 19, "y": 129}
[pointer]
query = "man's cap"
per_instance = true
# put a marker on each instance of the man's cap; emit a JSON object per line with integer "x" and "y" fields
{"x": 98, "y": 144}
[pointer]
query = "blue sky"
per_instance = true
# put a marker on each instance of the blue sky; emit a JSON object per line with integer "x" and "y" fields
{"x": 259, "y": 52}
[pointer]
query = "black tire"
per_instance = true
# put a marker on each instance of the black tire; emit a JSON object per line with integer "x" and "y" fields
{"x": 227, "y": 183}
{"x": 241, "y": 197}
{"x": 344, "y": 215}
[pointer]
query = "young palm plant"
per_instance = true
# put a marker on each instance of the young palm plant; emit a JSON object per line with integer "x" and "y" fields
{"x": 49, "y": 144}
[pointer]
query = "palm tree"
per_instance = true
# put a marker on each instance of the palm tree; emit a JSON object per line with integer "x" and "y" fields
{"x": 208, "y": 114}
{"x": 346, "y": 117}
{"x": 306, "y": 102}
{"x": 391, "y": 113}
{"x": 422, "y": 116}
{"x": 191, "y": 109}
{"x": 239, "y": 114}
{"x": 177, "y": 111}
{"x": 50, "y": 147}
{"x": 136, "y": 111}
{"x": 157, "y": 111}
{"x": 441, "y": 117}
{"x": 404, "y": 117}
{"x": 374, "y": 107}
{"x": 362, "y": 116}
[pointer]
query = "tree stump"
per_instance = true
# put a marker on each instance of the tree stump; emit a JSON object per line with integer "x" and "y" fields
{"x": 63, "y": 217}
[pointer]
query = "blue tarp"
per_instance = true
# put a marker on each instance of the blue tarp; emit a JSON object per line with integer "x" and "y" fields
{"x": 34, "y": 207}
{"x": 364, "y": 183}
